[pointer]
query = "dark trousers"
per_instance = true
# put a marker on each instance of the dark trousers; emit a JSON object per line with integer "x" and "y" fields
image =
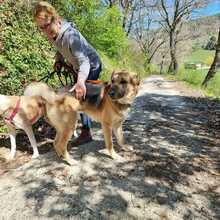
{"x": 93, "y": 75}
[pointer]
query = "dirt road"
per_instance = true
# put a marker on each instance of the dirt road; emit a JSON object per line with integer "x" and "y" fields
{"x": 173, "y": 173}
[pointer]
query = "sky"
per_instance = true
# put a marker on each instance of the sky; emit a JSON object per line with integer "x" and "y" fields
{"x": 212, "y": 8}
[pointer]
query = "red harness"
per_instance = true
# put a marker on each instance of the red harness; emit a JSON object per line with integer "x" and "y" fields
{"x": 15, "y": 111}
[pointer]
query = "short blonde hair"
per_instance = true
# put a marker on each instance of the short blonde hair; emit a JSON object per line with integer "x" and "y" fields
{"x": 44, "y": 10}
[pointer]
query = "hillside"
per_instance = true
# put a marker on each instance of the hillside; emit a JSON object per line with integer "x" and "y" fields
{"x": 195, "y": 34}
{"x": 201, "y": 29}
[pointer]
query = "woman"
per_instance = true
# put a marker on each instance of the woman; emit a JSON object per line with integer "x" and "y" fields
{"x": 74, "y": 49}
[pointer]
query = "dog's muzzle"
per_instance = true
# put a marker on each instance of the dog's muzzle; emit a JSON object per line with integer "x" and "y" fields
{"x": 115, "y": 92}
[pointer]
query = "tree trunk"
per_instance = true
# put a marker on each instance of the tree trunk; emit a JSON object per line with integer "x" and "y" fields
{"x": 161, "y": 64}
{"x": 125, "y": 16}
{"x": 111, "y": 3}
{"x": 173, "y": 67}
{"x": 212, "y": 71}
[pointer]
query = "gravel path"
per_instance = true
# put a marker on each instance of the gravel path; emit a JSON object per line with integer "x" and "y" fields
{"x": 172, "y": 174}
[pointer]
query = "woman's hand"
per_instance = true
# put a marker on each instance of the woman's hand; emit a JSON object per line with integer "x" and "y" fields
{"x": 80, "y": 89}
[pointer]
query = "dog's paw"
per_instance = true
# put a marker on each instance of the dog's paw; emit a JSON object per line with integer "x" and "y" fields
{"x": 71, "y": 161}
{"x": 113, "y": 155}
{"x": 68, "y": 159}
{"x": 116, "y": 156}
{"x": 35, "y": 155}
{"x": 127, "y": 147}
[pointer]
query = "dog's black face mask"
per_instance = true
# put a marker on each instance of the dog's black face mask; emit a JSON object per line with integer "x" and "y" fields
{"x": 117, "y": 91}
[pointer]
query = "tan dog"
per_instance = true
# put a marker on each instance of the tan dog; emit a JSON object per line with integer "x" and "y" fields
{"x": 61, "y": 110}
{"x": 21, "y": 112}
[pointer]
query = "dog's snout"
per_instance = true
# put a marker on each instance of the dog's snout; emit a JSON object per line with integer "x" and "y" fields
{"x": 111, "y": 93}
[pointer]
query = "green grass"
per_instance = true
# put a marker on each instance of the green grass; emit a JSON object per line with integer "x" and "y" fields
{"x": 200, "y": 55}
{"x": 195, "y": 78}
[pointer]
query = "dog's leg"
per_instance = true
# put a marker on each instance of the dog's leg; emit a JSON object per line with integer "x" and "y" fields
{"x": 30, "y": 134}
{"x": 117, "y": 129}
{"x": 75, "y": 132}
{"x": 60, "y": 145}
{"x": 12, "y": 134}
{"x": 107, "y": 130}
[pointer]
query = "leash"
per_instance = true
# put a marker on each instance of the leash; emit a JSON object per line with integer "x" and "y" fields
{"x": 70, "y": 76}
{"x": 66, "y": 72}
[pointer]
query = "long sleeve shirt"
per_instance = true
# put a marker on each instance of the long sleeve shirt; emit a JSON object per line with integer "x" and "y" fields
{"x": 76, "y": 50}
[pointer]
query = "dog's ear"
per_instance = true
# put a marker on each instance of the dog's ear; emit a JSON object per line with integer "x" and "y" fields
{"x": 136, "y": 79}
{"x": 107, "y": 86}
{"x": 113, "y": 73}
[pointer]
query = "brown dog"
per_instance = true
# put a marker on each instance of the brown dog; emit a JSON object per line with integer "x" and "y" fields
{"x": 21, "y": 112}
{"x": 61, "y": 110}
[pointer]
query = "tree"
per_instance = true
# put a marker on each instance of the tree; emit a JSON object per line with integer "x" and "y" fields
{"x": 127, "y": 8}
{"x": 211, "y": 43}
{"x": 212, "y": 71}
{"x": 173, "y": 14}
{"x": 111, "y": 3}
{"x": 149, "y": 38}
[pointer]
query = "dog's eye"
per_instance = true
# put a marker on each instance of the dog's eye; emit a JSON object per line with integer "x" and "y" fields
{"x": 123, "y": 82}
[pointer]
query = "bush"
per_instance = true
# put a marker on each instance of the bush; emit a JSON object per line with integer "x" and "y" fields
{"x": 25, "y": 55}
{"x": 209, "y": 60}
{"x": 102, "y": 26}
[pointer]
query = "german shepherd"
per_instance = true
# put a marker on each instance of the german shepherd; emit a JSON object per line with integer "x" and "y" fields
{"x": 61, "y": 110}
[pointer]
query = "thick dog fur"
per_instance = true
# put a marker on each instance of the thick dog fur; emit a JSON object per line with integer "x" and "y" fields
{"x": 61, "y": 111}
{"x": 29, "y": 111}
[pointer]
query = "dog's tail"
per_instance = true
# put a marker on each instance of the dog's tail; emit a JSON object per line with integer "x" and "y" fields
{"x": 41, "y": 89}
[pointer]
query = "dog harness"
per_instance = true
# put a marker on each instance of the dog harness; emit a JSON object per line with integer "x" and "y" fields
{"x": 14, "y": 112}
{"x": 10, "y": 119}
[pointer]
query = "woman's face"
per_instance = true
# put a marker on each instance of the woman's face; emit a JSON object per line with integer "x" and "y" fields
{"x": 48, "y": 27}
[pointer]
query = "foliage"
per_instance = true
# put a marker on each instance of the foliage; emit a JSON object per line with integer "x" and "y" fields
{"x": 130, "y": 59}
{"x": 211, "y": 44}
{"x": 111, "y": 38}
{"x": 25, "y": 55}
{"x": 209, "y": 60}
{"x": 101, "y": 26}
